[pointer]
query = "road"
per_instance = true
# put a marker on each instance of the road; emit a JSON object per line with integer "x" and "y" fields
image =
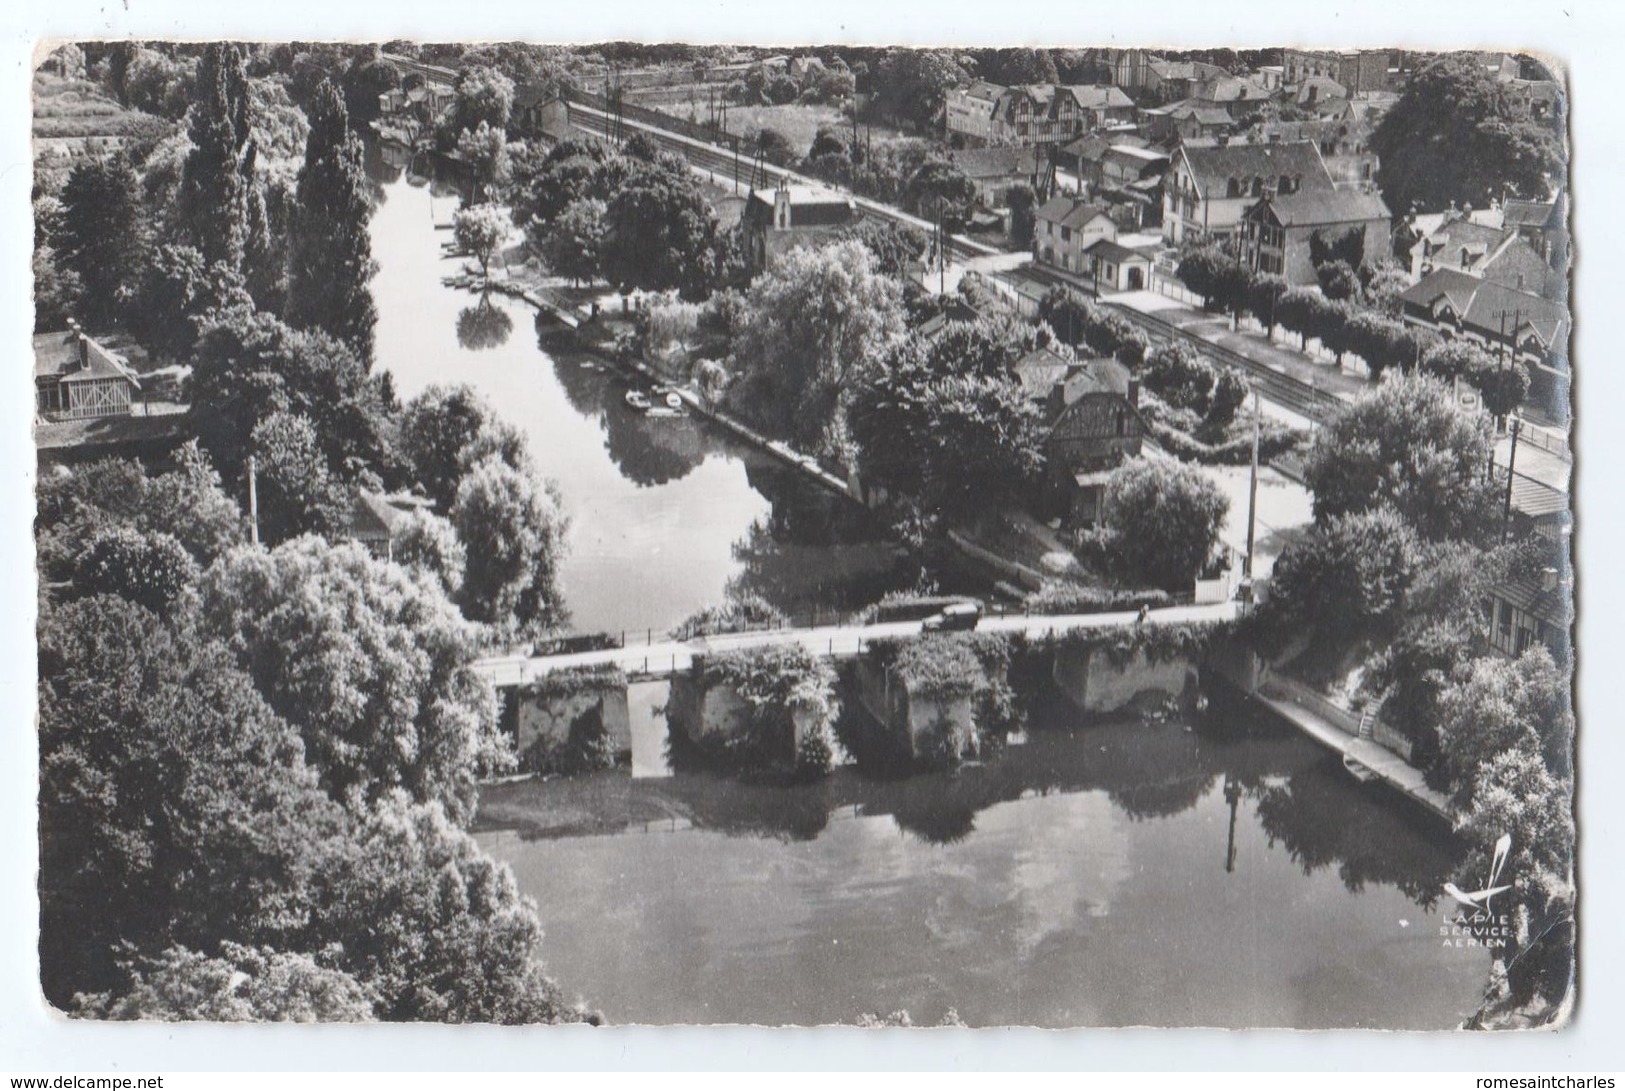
{"x": 669, "y": 656}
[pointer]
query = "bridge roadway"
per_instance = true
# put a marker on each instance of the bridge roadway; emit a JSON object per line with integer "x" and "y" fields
{"x": 660, "y": 659}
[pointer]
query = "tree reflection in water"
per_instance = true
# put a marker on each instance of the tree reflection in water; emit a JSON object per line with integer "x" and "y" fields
{"x": 652, "y": 451}
{"x": 1308, "y": 816}
{"x": 484, "y": 325}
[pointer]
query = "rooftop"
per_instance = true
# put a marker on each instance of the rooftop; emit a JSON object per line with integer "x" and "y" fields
{"x": 1067, "y": 211}
{"x": 1337, "y": 206}
{"x": 60, "y": 355}
{"x": 1213, "y": 167}
{"x": 1489, "y": 306}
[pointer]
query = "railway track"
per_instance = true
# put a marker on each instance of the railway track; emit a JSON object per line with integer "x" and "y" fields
{"x": 1284, "y": 390}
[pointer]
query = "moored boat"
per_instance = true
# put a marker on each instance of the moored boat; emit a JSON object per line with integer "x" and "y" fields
{"x": 637, "y": 399}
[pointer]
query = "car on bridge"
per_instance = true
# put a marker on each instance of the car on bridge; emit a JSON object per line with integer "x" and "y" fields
{"x": 958, "y": 617}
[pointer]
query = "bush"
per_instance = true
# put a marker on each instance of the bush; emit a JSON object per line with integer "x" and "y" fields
{"x": 741, "y": 613}
{"x": 149, "y": 569}
{"x": 1057, "y": 600}
{"x": 1166, "y": 517}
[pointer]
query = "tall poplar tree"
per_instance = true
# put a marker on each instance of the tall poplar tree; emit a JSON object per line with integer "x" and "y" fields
{"x": 102, "y": 236}
{"x": 331, "y": 255}
{"x": 217, "y": 177}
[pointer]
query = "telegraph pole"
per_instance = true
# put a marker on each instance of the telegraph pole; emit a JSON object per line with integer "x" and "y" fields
{"x": 1252, "y": 495}
{"x": 253, "y": 503}
{"x": 1512, "y": 462}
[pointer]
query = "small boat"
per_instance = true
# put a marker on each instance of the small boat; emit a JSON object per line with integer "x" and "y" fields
{"x": 1358, "y": 769}
{"x": 637, "y": 399}
{"x": 673, "y": 400}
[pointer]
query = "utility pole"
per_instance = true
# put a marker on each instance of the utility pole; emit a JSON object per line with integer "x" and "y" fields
{"x": 1252, "y": 495}
{"x": 253, "y": 503}
{"x": 1512, "y": 463}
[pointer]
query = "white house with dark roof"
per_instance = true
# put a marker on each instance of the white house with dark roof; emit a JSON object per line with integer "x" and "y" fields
{"x": 75, "y": 378}
{"x": 969, "y": 112}
{"x": 1207, "y": 190}
{"x": 1065, "y": 227}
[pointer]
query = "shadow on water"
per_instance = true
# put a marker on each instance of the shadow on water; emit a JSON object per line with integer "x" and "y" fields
{"x": 484, "y": 325}
{"x": 1150, "y": 771}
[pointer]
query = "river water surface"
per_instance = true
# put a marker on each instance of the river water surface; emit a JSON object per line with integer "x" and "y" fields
{"x": 666, "y": 515}
{"x": 1101, "y": 875}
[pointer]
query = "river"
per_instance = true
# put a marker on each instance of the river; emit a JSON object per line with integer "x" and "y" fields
{"x": 666, "y": 515}
{"x": 1100, "y": 875}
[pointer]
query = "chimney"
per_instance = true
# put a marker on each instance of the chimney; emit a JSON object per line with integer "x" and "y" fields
{"x": 84, "y": 352}
{"x": 781, "y": 207}
{"x": 1548, "y": 579}
{"x": 1133, "y": 392}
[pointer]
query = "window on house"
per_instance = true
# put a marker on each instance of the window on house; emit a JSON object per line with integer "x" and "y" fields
{"x": 1503, "y": 625}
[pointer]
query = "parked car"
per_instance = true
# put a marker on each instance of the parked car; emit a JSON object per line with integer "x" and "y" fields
{"x": 960, "y": 617}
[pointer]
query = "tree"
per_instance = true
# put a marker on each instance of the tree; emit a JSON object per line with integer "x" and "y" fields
{"x": 434, "y": 926}
{"x": 79, "y": 505}
{"x": 174, "y": 804}
{"x": 1338, "y": 280}
{"x": 1177, "y": 375}
{"x": 218, "y": 173}
{"x": 1343, "y": 583}
{"x": 297, "y": 493}
{"x": 1023, "y": 213}
{"x": 946, "y": 429}
{"x": 241, "y": 985}
{"x": 571, "y": 245}
{"x": 911, "y": 85}
{"x": 573, "y": 169}
{"x": 897, "y": 247}
{"x": 484, "y": 151}
{"x": 1165, "y": 517}
{"x": 446, "y": 431}
{"x": 660, "y": 232}
{"x": 1410, "y": 445}
{"x": 815, "y": 323}
{"x": 1456, "y": 135}
{"x": 248, "y": 365}
{"x": 1012, "y": 67}
{"x": 480, "y": 231}
{"x": 427, "y": 544}
{"x": 373, "y": 665}
{"x": 939, "y": 190}
{"x": 151, "y": 569}
{"x": 331, "y": 263}
{"x": 484, "y": 96}
{"x": 514, "y": 532}
{"x": 101, "y": 237}
{"x": 1499, "y": 706}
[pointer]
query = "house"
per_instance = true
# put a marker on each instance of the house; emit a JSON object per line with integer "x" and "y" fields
{"x": 1528, "y": 611}
{"x": 540, "y": 111}
{"x": 994, "y": 170}
{"x": 376, "y": 519}
{"x": 1544, "y": 98}
{"x": 1186, "y": 121}
{"x": 1117, "y": 268}
{"x": 1093, "y": 425}
{"x": 75, "y": 377}
{"x": 969, "y": 112}
{"x": 1056, "y": 113}
{"x": 1344, "y": 145}
{"x": 1319, "y": 89}
{"x": 1208, "y": 188}
{"x": 1279, "y": 232}
{"x": 792, "y": 215}
{"x": 1235, "y": 96}
{"x": 1065, "y": 227}
{"x": 1518, "y": 325}
{"x": 1543, "y": 224}
{"x": 1360, "y": 71}
{"x": 1170, "y": 81}
{"x": 805, "y": 67}
{"x": 1498, "y": 254}
{"x": 1130, "y": 67}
